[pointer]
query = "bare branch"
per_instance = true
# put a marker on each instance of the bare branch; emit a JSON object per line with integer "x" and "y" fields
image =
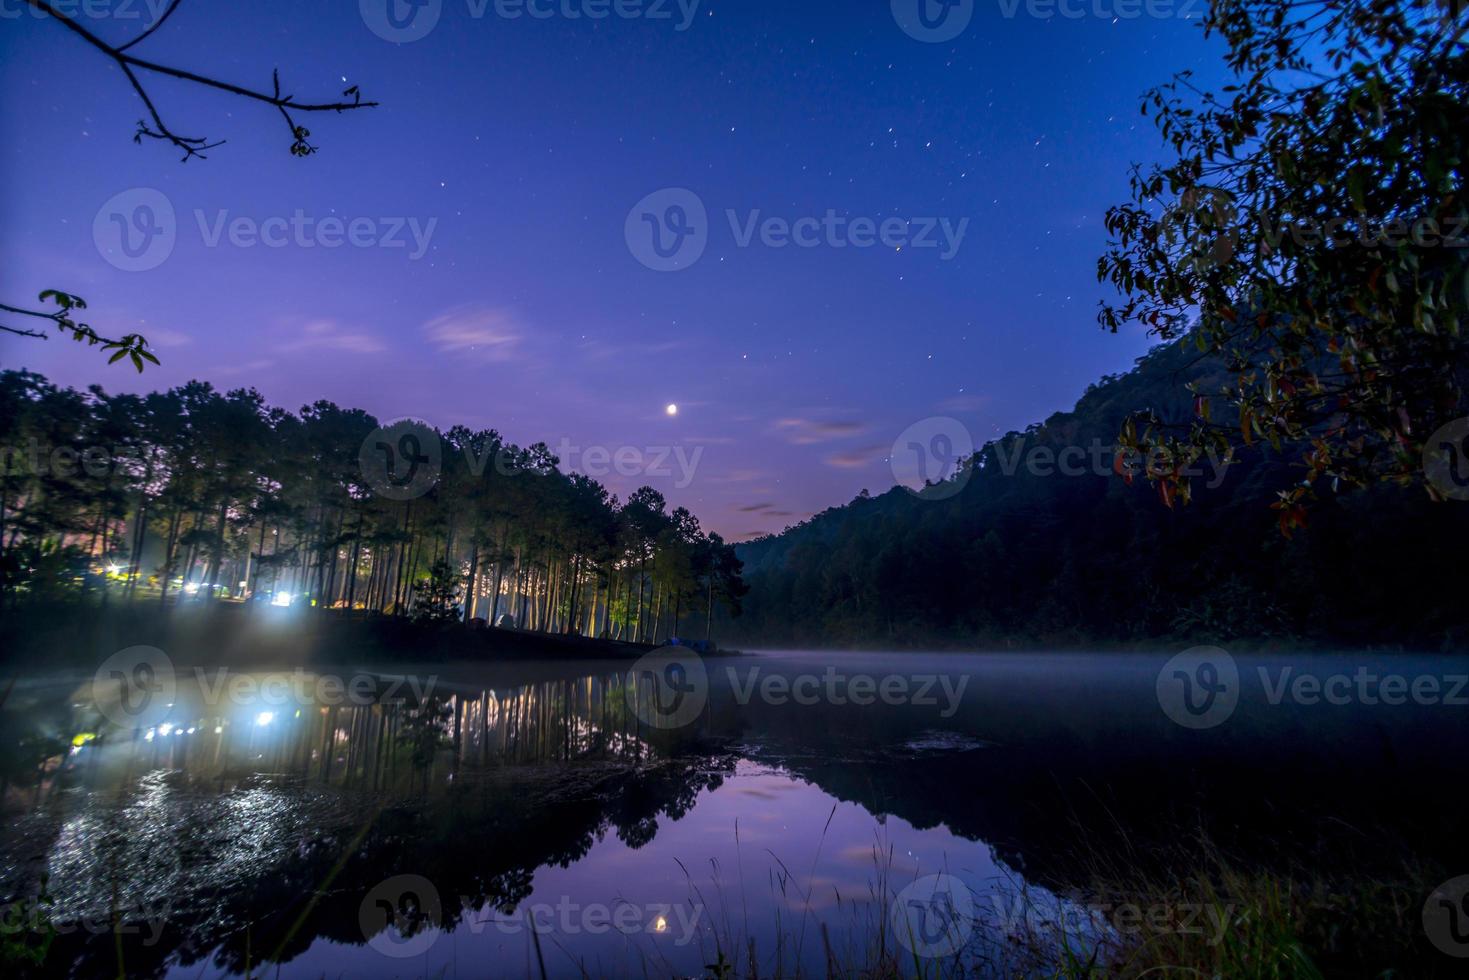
{"x": 194, "y": 145}
{"x": 156, "y": 24}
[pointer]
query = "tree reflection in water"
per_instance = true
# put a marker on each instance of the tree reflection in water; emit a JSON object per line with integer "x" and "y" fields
{"x": 254, "y": 830}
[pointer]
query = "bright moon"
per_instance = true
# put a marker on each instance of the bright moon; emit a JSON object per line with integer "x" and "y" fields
{"x": 671, "y": 409}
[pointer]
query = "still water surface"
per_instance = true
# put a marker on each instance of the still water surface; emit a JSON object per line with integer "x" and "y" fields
{"x": 521, "y": 820}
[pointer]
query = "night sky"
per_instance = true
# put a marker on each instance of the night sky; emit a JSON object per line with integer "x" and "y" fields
{"x": 522, "y": 145}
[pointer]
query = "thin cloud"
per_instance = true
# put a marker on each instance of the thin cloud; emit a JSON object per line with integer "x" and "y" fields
{"x": 806, "y": 432}
{"x": 327, "y": 335}
{"x": 738, "y": 476}
{"x": 965, "y": 403}
{"x": 854, "y": 459}
{"x": 490, "y": 334}
{"x": 753, "y": 508}
{"x": 249, "y": 367}
{"x": 164, "y": 337}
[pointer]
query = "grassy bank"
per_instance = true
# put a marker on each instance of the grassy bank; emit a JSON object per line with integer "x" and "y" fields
{"x": 1208, "y": 917}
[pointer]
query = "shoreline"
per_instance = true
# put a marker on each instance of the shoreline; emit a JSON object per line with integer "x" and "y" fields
{"x": 55, "y": 636}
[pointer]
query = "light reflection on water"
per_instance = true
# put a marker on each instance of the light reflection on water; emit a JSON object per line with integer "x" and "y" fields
{"x": 254, "y": 832}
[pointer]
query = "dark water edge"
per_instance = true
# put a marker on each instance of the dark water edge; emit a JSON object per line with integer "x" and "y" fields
{"x": 243, "y": 635}
{"x": 264, "y": 840}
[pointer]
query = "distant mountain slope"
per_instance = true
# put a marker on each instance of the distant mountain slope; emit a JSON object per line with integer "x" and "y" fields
{"x": 1026, "y": 556}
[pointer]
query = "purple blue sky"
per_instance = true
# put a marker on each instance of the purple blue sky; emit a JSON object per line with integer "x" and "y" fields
{"x": 525, "y": 143}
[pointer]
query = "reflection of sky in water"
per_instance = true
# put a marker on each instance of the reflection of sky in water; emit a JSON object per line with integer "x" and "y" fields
{"x": 790, "y": 841}
{"x": 551, "y": 791}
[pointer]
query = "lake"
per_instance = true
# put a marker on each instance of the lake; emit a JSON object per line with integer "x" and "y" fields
{"x": 792, "y": 809}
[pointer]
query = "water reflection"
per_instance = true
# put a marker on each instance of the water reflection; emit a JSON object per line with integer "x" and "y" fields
{"x": 226, "y": 835}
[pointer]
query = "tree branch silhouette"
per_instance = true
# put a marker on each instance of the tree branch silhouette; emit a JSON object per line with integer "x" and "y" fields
{"x": 193, "y": 146}
{"x": 134, "y": 346}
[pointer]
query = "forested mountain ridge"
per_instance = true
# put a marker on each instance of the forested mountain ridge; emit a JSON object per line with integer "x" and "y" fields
{"x": 1026, "y": 556}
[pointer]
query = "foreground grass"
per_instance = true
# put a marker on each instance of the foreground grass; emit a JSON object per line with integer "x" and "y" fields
{"x": 1207, "y": 917}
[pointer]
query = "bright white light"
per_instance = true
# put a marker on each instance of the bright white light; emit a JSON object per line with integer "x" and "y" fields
{"x": 672, "y": 409}
{"x": 192, "y": 588}
{"x": 114, "y": 569}
{"x": 165, "y": 728}
{"x": 660, "y": 924}
{"x": 281, "y": 599}
{"x": 264, "y": 718}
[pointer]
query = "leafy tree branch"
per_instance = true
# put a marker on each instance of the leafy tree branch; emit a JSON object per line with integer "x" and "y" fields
{"x": 1314, "y": 234}
{"x": 132, "y": 346}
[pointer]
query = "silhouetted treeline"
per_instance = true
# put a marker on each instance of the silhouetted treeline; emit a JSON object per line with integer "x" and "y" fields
{"x": 217, "y": 495}
{"x": 1026, "y": 556}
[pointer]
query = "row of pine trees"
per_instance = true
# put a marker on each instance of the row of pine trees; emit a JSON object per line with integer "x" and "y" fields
{"x": 211, "y": 494}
